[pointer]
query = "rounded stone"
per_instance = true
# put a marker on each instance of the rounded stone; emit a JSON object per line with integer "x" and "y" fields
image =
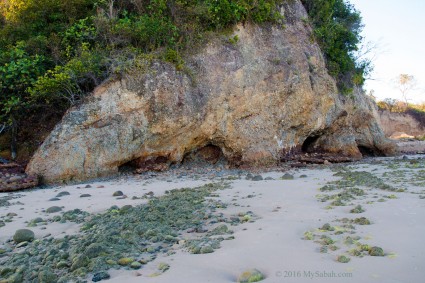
{"x": 47, "y": 276}
{"x": 23, "y": 235}
{"x": 252, "y": 275}
{"x": 207, "y": 250}
{"x": 62, "y": 264}
{"x": 376, "y": 251}
{"x": 102, "y": 275}
{"x": 94, "y": 250}
{"x": 61, "y": 194}
{"x": 117, "y": 194}
{"x": 135, "y": 265}
{"x": 287, "y": 176}
{"x": 257, "y": 178}
{"x": 80, "y": 261}
{"x": 53, "y": 209}
{"x": 85, "y": 195}
{"x": 125, "y": 261}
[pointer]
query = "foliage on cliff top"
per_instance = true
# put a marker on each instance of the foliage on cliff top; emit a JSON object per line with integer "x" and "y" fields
{"x": 52, "y": 52}
{"x": 337, "y": 26}
{"x": 417, "y": 111}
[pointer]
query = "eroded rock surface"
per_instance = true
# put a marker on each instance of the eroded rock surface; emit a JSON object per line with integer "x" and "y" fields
{"x": 259, "y": 99}
{"x": 393, "y": 123}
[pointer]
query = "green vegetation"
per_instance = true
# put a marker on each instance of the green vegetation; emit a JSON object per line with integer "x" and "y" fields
{"x": 337, "y": 26}
{"x": 417, "y": 111}
{"x": 53, "y": 52}
{"x": 125, "y": 237}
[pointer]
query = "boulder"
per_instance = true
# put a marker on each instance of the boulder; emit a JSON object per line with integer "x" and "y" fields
{"x": 23, "y": 235}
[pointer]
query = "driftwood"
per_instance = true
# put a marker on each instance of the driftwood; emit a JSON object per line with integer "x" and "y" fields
{"x": 302, "y": 159}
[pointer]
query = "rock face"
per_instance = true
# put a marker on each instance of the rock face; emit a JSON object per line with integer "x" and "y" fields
{"x": 393, "y": 122}
{"x": 267, "y": 95}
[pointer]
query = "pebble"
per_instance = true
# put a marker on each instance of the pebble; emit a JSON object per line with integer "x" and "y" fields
{"x": 117, "y": 194}
{"x": 47, "y": 276}
{"x": 102, "y": 275}
{"x": 257, "y": 178}
{"x": 252, "y": 275}
{"x": 53, "y": 209}
{"x": 61, "y": 194}
{"x": 54, "y": 199}
{"x": 287, "y": 176}
{"x": 85, "y": 195}
{"x": 135, "y": 265}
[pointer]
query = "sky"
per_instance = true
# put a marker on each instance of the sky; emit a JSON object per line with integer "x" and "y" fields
{"x": 398, "y": 28}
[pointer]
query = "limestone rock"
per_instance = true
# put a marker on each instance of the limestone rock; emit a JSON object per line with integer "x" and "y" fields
{"x": 394, "y": 124}
{"x": 265, "y": 97}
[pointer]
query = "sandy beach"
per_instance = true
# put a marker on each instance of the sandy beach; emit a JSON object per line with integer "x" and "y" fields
{"x": 296, "y": 226}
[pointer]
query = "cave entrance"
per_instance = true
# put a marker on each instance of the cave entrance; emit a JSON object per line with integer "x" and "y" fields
{"x": 368, "y": 152}
{"x": 206, "y": 155}
{"x": 308, "y": 144}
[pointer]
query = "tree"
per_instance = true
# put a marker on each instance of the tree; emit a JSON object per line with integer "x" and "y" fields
{"x": 337, "y": 26}
{"x": 405, "y": 84}
{"x": 18, "y": 71}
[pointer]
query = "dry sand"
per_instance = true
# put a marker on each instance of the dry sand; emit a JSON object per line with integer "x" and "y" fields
{"x": 273, "y": 243}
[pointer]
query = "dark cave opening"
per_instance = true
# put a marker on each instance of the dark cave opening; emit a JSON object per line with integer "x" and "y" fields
{"x": 209, "y": 154}
{"x": 368, "y": 152}
{"x": 308, "y": 144}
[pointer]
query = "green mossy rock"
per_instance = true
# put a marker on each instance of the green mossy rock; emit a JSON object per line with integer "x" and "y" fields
{"x": 135, "y": 265}
{"x": 47, "y": 276}
{"x": 287, "y": 176}
{"x": 252, "y": 275}
{"x": 23, "y": 235}
{"x": 343, "y": 259}
{"x": 376, "y": 251}
{"x": 94, "y": 250}
{"x": 79, "y": 261}
{"x": 125, "y": 261}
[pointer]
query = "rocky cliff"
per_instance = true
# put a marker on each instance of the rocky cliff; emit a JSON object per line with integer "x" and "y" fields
{"x": 393, "y": 123}
{"x": 255, "y": 100}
